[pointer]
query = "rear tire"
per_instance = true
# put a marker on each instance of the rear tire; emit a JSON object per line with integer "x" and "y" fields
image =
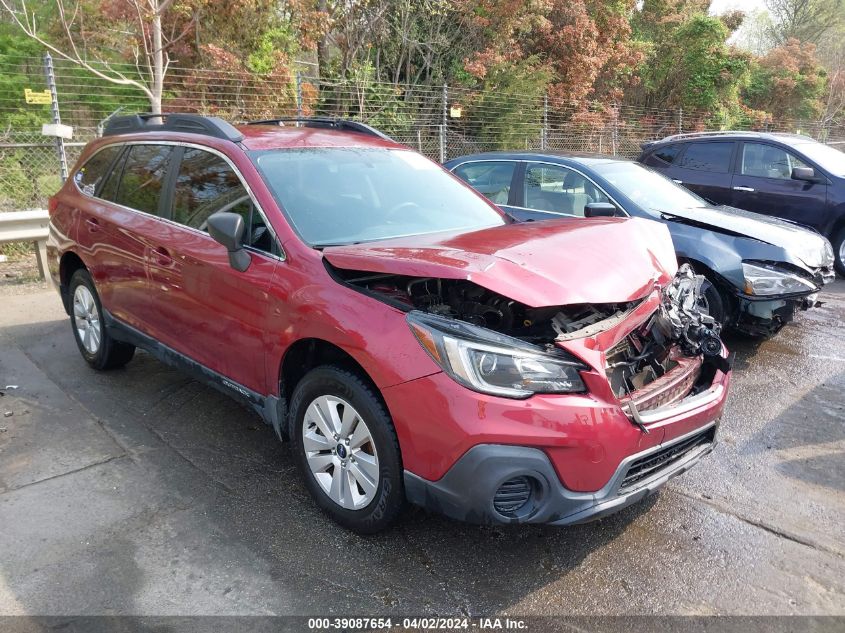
{"x": 347, "y": 449}
{"x": 98, "y": 349}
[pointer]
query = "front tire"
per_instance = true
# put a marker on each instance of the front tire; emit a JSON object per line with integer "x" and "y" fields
{"x": 347, "y": 449}
{"x": 713, "y": 302}
{"x": 86, "y": 316}
{"x": 839, "y": 252}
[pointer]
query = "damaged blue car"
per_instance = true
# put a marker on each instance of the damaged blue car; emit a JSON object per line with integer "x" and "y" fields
{"x": 760, "y": 269}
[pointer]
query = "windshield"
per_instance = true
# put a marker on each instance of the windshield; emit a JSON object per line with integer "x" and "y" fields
{"x": 648, "y": 189}
{"x": 828, "y": 158}
{"x": 345, "y": 195}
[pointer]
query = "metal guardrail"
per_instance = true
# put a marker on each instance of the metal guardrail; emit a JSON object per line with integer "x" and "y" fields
{"x": 28, "y": 226}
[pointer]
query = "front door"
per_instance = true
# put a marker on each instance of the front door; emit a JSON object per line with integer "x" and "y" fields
{"x": 763, "y": 183}
{"x": 206, "y": 309}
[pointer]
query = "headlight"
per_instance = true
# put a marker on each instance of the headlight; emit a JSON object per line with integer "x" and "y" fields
{"x": 764, "y": 281}
{"x": 493, "y": 363}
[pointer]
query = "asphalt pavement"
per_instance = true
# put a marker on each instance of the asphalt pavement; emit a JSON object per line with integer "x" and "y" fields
{"x": 141, "y": 491}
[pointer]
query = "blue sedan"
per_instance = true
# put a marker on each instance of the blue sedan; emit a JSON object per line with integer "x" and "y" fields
{"x": 761, "y": 269}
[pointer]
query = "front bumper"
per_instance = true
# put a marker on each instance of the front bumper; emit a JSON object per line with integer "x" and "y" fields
{"x": 468, "y": 491}
{"x": 765, "y": 317}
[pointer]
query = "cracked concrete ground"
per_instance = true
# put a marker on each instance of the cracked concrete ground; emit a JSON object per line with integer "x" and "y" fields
{"x": 142, "y": 492}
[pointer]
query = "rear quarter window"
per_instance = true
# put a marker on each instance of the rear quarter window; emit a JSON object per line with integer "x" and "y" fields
{"x": 667, "y": 153}
{"x": 91, "y": 175}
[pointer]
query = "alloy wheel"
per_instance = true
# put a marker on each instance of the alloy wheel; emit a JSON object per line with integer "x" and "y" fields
{"x": 87, "y": 319}
{"x": 340, "y": 452}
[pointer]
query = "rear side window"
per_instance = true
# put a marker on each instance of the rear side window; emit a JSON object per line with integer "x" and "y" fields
{"x": 207, "y": 184}
{"x": 492, "y": 178}
{"x": 91, "y": 175}
{"x": 143, "y": 175}
{"x": 667, "y": 153}
{"x": 714, "y": 157}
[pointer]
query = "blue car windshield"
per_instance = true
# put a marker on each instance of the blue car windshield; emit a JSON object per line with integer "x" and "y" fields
{"x": 827, "y": 157}
{"x": 647, "y": 188}
{"x": 336, "y": 196}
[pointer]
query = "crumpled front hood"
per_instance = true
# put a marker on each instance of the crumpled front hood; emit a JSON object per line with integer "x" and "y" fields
{"x": 557, "y": 262}
{"x": 803, "y": 243}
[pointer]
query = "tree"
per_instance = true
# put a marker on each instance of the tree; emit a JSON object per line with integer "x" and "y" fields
{"x": 692, "y": 67}
{"x": 805, "y": 20}
{"x": 788, "y": 82}
{"x": 755, "y": 34}
{"x": 141, "y": 33}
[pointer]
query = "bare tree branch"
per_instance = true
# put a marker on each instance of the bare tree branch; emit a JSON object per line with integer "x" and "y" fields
{"x": 151, "y": 60}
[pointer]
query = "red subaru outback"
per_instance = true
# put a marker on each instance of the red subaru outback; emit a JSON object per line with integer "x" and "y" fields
{"x": 411, "y": 341}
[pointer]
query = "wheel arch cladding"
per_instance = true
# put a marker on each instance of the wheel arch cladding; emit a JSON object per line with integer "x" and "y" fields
{"x": 304, "y": 355}
{"x": 69, "y": 264}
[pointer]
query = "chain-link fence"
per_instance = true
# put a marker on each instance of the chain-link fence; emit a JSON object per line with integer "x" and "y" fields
{"x": 439, "y": 121}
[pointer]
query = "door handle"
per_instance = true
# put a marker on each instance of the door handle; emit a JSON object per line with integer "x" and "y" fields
{"x": 162, "y": 256}
{"x": 680, "y": 182}
{"x": 93, "y": 225}
{"x": 743, "y": 188}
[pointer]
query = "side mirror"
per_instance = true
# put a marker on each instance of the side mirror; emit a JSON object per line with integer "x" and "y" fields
{"x": 599, "y": 209}
{"x": 804, "y": 173}
{"x": 228, "y": 230}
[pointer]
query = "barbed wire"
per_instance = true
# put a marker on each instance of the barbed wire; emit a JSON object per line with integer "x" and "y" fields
{"x": 439, "y": 121}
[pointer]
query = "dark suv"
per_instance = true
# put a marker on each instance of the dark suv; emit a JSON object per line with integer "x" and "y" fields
{"x": 411, "y": 340}
{"x": 784, "y": 175}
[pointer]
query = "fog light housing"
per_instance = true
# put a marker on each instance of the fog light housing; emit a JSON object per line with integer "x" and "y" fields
{"x": 513, "y": 495}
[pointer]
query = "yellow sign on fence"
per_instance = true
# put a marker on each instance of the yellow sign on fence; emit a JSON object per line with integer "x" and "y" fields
{"x": 37, "y": 97}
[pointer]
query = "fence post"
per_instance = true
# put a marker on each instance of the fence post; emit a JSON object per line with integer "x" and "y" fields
{"x": 443, "y": 123}
{"x": 298, "y": 93}
{"x": 614, "y": 133}
{"x": 680, "y": 120}
{"x": 545, "y": 131}
{"x": 54, "y": 97}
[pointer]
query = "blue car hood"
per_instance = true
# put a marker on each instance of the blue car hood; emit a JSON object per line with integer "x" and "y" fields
{"x": 802, "y": 243}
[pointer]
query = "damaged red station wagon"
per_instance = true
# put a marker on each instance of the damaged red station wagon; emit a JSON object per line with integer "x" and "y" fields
{"x": 412, "y": 342}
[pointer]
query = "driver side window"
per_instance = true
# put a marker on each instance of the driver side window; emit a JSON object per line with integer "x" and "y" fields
{"x": 559, "y": 190}
{"x": 768, "y": 161}
{"x": 207, "y": 184}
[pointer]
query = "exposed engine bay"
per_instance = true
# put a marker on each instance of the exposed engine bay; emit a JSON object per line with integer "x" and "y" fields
{"x": 680, "y": 329}
{"x": 466, "y": 301}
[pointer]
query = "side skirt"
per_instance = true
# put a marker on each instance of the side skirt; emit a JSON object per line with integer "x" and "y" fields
{"x": 269, "y": 408}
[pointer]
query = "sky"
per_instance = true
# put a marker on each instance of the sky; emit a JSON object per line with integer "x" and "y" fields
{"x": 720, "y": 6}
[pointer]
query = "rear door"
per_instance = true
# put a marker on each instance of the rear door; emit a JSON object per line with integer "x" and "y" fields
{"x": 705, "y": 168}
{"x": 206, "y": 309}
{"x": 763, "y": 183}
{"x": 119, "y": 224}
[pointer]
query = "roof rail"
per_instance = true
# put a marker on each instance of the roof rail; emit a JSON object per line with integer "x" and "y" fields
{"x": 191, "y": 123}
{"x": 327, "y": 122}
{"x": 677, "y": 137}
